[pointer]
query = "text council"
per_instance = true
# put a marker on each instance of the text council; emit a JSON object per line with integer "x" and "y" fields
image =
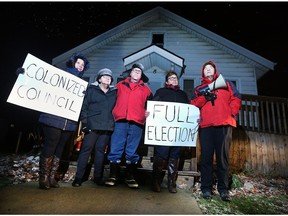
{"x": 32, "y": 93}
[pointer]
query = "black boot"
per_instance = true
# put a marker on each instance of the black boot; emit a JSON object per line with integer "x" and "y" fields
{"x": 54, "y": 168}
{"x": 172, "y": 174}
{"x": 44, "y": 171}
{"x": 157, "y": 173}
{"x": 62, "y": 170}
{"x": 114, "y": 173}
{"x": 130, "y": 172}
{"x": 76, "y": 182}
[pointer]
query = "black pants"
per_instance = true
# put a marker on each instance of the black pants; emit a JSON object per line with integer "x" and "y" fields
{"x": 97, "y": 140}
{"x": 215, "y": 139}
{"x": 54, "y": 141}
{"x": 166, "y": 152}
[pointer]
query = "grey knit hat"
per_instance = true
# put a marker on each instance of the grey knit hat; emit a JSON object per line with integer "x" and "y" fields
{"x": 105, "y": 71}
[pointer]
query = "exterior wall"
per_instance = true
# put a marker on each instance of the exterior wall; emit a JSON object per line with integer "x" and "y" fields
{"x": 195, "y": 51}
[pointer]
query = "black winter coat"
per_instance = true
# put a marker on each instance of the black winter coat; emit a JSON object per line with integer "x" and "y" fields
{"x": 170, "y": 95}
{"x": 97, "y": 108}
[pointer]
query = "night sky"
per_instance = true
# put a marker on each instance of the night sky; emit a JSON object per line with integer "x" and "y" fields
{"x": 47, "y": 29}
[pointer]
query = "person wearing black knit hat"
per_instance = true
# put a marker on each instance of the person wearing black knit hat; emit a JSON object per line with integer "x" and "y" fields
{"x": 129, "y": 114}
{"x": 127, "y": 73}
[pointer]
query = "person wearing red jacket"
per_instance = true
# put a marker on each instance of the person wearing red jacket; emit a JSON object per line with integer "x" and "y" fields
{"x": 129, "y": 114}
{"x": 218, "y": 111}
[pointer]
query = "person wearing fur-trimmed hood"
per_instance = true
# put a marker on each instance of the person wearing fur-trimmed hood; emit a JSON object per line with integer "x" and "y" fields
{"x": 57, "y": 131}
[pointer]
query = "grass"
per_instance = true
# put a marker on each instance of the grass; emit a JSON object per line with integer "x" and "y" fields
{"x": 261, "y": 204}
{"x": 245, "y": 205}
{"x": 260, "y": 201}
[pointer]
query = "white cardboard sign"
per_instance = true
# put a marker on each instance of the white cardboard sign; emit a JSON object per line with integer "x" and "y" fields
{"x": 171, "y": 124}
{"x": 48, "y": 89}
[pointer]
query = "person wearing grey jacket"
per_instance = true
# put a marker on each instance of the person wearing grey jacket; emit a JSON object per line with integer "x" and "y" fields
{"x": 97, "y": 124}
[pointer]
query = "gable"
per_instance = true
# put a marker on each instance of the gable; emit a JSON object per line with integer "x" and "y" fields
{"x": 263, "y": 65}
{"x": 185, "y": 42}
{"x": 154, "y": 55}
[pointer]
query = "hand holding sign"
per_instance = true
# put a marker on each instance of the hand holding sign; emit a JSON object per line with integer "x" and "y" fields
{"x": 171, "y": 124}
{"x": 45, "y": 88}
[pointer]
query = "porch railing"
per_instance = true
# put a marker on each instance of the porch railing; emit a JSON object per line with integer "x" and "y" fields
{"x": 264, "y": 114}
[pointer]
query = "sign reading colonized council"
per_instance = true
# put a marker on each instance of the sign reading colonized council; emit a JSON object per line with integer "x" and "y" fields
{"x": 171, "y": 124}
{"x": 48, "y": 89}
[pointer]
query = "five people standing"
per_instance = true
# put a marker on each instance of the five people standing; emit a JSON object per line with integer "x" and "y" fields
{"x": 123, "y": 109}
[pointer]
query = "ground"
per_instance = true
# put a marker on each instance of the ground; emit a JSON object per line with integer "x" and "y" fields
{"x": 249, "y": 194}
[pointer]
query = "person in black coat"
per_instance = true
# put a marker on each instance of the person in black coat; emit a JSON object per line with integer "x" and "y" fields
{"x": 167, "y": 154}
{"x": 97, "y": 124}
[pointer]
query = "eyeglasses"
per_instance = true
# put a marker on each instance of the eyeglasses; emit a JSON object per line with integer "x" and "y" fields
{"x": 137, "y": 71}
{"x": 107, "y": 77}
{"x": 172, "y": 78}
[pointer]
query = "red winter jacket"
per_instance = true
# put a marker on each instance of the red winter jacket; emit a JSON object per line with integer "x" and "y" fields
{"x": 226, "y": 106}
{"x": 131, "y": 101}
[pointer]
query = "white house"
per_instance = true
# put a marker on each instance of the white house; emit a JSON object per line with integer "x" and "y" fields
{"x": 162, "y": 40}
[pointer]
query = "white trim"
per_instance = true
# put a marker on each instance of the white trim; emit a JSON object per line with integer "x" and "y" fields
{"x": 153, "y": 49}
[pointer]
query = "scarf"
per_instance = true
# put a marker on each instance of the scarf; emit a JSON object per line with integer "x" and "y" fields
{"x": 174, "y": 88}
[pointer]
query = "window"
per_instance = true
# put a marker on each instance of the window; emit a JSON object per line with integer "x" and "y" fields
{"x": 234, "y": 82}
{"x": 158, "y": 39}
{"x": 188, "y": 86}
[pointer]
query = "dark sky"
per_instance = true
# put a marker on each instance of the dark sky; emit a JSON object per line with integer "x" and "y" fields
{"x": 47, "y": 29}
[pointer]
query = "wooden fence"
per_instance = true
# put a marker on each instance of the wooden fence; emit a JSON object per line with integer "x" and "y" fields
{"x": 264, "y": 114}
{"x": 256, "y": 153}
{"x": 260, "y": 141}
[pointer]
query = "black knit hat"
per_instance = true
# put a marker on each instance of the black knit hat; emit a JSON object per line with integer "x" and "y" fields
{"x": 144, "y": 78}
{"x": 138, "y": 65}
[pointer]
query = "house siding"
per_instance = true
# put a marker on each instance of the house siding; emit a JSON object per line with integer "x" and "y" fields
{"x": 196, "y": 51}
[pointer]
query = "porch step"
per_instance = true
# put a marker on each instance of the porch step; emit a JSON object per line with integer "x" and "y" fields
{"x": 180, "y": 173}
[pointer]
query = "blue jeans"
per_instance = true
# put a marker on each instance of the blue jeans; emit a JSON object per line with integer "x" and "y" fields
{"x": 97, "y": 140}
{"x": 126, "y": 137}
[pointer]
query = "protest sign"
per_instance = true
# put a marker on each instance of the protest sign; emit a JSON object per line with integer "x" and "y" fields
{"x": 48, "y": 89}
{"x": 171, "y": 124}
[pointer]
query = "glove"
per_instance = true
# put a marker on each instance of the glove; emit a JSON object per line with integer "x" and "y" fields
{"x": 210, "y": 96}
{"x": 85, "y": 128}
{"x": 20, "y": 70}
